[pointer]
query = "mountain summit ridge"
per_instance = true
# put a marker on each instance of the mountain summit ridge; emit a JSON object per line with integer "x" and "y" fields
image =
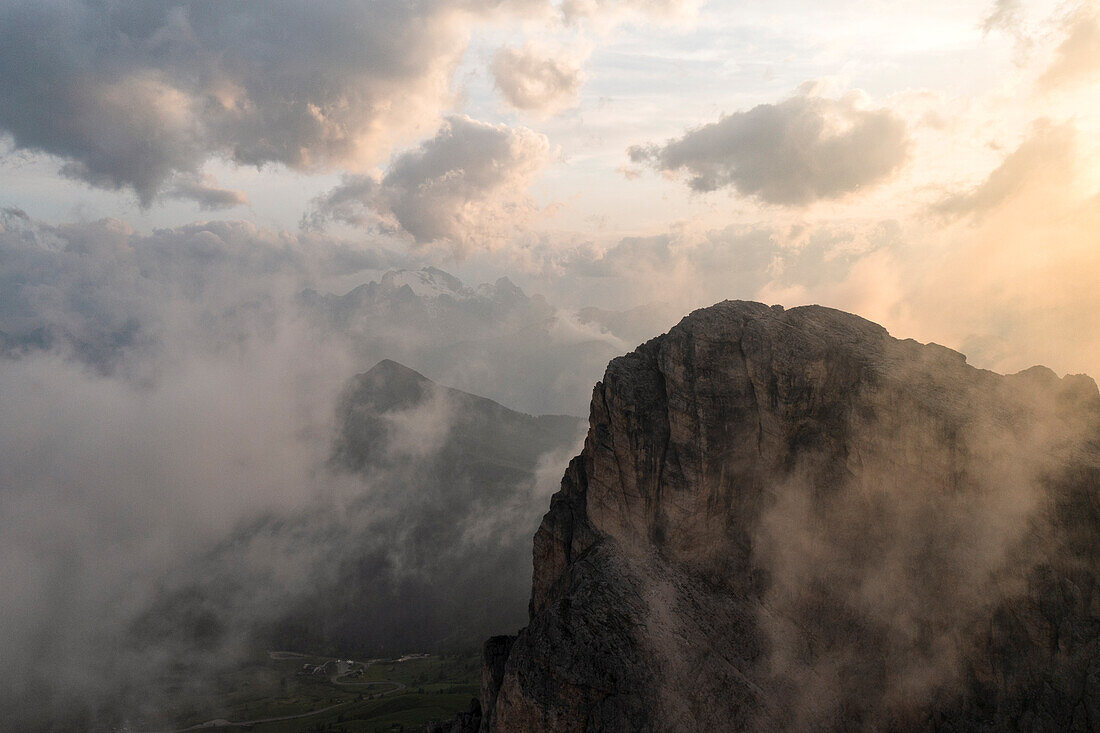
{"x": 492, "y": 339}
{"x": 790, "y": 520}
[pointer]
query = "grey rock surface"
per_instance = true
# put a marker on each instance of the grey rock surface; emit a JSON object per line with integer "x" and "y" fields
{"x": 789, "y": 520}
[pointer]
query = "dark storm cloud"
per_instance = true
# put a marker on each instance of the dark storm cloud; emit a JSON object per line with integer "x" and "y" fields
{"x": 466, "y": 186}
{"x": 792, "y": 153}
{"x": 128, "y": 93}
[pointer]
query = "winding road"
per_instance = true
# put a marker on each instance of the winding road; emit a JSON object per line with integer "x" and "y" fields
{"x": 222, "y": 723}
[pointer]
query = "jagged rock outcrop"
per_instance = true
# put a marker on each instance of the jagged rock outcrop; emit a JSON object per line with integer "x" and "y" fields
{"x": 790, "y": 520}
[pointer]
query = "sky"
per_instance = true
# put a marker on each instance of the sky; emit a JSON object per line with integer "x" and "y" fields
{"x": 932, "y": 167}
{"x": 192, "y": 192}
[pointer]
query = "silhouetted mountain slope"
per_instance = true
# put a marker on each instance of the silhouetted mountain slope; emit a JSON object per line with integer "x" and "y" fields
{"x": 481, "y": 431}
{"x": 440, "y": 497}
{"x": 789, "y": 520}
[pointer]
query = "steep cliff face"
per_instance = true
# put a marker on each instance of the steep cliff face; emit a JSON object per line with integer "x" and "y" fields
{"x": 790, "y": 520}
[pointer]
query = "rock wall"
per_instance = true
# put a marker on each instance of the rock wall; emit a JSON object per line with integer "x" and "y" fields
{"x": 790, "y": 520}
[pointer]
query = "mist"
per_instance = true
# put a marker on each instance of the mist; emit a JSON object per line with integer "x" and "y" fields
{"x": 302, "y": 306}
{"x": 892, "y": 577}
{"x": 174, "y": 406}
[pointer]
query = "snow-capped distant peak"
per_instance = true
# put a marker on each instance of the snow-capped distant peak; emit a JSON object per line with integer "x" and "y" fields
{"x": 427, "y": 283}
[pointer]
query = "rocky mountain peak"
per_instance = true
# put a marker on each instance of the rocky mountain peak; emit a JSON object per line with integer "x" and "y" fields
{"x": 790, "y": 520}
{"x": 388, "y": 385}
{"x": 428, "y": 282}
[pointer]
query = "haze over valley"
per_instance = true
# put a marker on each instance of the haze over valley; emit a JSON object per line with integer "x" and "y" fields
{"x": 512, "y": 365}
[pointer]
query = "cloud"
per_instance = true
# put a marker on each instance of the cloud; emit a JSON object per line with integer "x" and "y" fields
{"x": 162, "y": 392}
{"x": 793, "y": 153}
{"x": 102, "y": 293}
{"x": 129, "y": 93}
{"x": 1043, "y": 158}
{"x": 1004, "y": 271}
{"x": 204, "y": 190}
{"x": 1007, "y": 277}
{"x": 1077, "y": 58}
{"x": 1014, "y": 284}
{"x": 467, "y": 187}
{"x": 1005, "y": 16}
{"x": 108, "y": 482}
{"x": 958, "y": 503}
{"x": 615, "y": 11}
{"x": 536, "y": 80}
{"x": 690, "y": 269}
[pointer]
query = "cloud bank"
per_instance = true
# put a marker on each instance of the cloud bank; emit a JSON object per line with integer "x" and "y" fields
{"x": 1002, "y": 270}
{"x": 103, "y": 293}
{"x": 129, "y": 93}
{"x": 169, "y": 394}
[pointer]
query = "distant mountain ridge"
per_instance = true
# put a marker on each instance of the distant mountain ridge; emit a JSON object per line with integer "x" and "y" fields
{"x": 437, "y": 297}
{"x": 447, "y": 499}
{"x": 434, "y": 290}
{"x": 492, "y": 340}
{"x": 481, "y": 429}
